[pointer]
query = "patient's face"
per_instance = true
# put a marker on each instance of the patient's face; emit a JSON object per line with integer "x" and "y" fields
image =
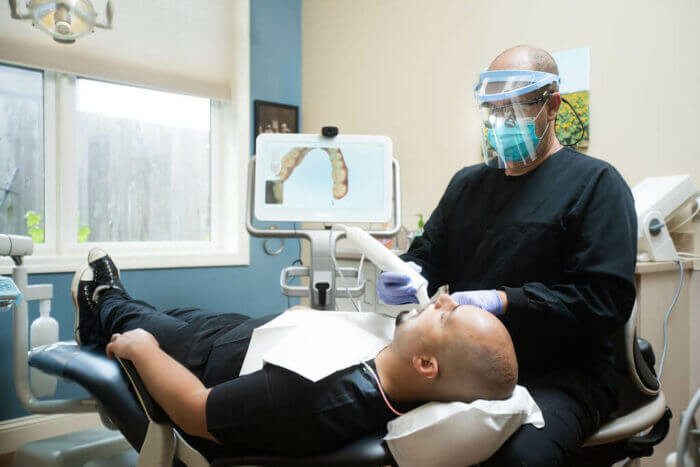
{"x": 421, "y": 330}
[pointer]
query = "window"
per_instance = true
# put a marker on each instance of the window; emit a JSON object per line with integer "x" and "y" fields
{"x": 143, "y": 164}
{"x": 151, "y": 176}
{"x": 22, "y": 152}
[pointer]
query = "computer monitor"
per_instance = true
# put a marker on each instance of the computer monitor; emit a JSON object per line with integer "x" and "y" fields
{"x": 311, "y": 178}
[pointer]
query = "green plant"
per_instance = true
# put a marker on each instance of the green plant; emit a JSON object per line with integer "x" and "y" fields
{"x": 34, "y": 228}
{"x": 83, "y": 231}
{"x": 83, "y": 234}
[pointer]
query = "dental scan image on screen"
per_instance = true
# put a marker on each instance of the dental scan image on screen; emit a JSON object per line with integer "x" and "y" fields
{"x": 310, "y": 178}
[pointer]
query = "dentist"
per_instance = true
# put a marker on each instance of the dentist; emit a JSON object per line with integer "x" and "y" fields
{"x": 545, "y": 238}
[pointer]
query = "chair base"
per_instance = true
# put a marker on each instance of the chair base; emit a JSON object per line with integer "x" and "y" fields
{"x": 95, "y": 447}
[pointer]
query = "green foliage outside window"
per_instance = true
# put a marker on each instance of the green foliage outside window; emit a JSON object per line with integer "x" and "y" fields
{"x": 36, "y": 231}
{"x": 34, "y": 228}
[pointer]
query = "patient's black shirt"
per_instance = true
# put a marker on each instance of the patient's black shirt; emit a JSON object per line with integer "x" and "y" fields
{"x": 561, "y": 241}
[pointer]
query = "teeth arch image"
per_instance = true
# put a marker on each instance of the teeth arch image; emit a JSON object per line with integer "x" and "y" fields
{"x": 339, "y": 170}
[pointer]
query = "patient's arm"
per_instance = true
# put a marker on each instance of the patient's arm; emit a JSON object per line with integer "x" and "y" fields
{"x": 174, "y": 387}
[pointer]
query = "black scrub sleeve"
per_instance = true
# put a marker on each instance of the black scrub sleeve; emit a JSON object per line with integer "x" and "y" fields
{"x": 597, "y": 294}
{"x": 429, "y": 250}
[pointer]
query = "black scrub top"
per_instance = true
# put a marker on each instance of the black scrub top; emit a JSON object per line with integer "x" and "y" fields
{"x": 561, "y": 241}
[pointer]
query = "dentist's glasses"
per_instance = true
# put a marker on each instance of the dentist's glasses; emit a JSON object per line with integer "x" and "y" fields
{"x": 508, "y": 114}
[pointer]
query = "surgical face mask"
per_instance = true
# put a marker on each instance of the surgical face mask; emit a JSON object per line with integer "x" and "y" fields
{"x": 517, "y": 142}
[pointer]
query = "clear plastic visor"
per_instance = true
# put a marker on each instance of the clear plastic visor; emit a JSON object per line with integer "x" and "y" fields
{"x": 510, "y": 104}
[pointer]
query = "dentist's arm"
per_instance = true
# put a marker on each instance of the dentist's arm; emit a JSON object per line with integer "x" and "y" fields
{"x": 174, "y": 387}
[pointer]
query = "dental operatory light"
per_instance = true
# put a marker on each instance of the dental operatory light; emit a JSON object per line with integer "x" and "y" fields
{"x": 64, "y": 20}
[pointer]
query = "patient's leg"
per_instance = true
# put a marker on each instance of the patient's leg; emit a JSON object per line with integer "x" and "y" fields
{"x": 184, "y": 334}
{"x": 117, "y": 312}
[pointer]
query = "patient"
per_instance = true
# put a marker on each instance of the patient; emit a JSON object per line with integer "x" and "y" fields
{"x": 190, "y": 359}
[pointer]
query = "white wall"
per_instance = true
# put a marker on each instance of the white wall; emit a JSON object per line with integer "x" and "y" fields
{"x": 406, "y": 68}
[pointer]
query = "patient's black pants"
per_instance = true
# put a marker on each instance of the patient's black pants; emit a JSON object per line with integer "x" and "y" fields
{"x": 186, "y": 334}
{"x": 572, "y": 412}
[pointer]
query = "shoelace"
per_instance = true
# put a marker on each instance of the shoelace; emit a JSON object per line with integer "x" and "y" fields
{"x": 88, "y": 295}
{"x": 104, "y": 263}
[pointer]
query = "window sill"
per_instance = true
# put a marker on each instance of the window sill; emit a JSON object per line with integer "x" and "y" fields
{"x": 47, "y": 263}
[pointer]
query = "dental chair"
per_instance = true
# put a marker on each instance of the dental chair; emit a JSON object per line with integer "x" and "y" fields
{"x": 123, "y": 403}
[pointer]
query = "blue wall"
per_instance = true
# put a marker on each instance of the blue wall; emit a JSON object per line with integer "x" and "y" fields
{"x": 252, "y": 290}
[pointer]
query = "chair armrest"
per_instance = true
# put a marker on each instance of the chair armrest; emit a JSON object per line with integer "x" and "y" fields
{"x": 153, "y": 411}
{"x": 629, "y": 425}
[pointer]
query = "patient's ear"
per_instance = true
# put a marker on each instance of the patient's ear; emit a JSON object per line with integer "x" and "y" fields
{"x": 425, "y": 365}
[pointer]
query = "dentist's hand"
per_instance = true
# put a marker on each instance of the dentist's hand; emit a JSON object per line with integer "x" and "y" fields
{"x": 493, "y": 301}
{"x": 394, "y": 288}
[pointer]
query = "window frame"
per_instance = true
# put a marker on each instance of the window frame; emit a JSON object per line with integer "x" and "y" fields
{"x": 61, "y": 251}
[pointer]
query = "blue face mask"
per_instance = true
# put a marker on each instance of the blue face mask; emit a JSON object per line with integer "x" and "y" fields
{"x": 517, "y": 143}
{"x": 514, "y": 144}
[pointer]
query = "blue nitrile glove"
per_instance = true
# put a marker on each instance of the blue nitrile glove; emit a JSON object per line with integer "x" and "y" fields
{"x": 485, "y": 299}
{"x": 394, "y": 288}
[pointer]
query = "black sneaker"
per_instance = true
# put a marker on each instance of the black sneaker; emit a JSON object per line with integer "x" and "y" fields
{"x": 81, "y": 291}
{"x": 105, "y": 271}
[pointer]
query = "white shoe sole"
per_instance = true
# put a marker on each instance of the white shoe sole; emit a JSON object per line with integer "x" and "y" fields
{"x": 74, "y": 296}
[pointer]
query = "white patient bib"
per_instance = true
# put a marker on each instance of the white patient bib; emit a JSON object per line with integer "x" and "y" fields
{"x": 316, "y": 344}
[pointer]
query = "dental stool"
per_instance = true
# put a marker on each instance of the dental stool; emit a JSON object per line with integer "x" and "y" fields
{"x": 642, "y": 404}
{"x": 124, "y": 404}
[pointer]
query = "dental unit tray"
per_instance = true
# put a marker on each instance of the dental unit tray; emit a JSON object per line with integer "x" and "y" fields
{"x": 278, "y": 156}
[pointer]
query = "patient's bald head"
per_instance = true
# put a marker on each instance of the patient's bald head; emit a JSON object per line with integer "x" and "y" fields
{"x": 459, "y": 353}
{"x": 480, "y": 355}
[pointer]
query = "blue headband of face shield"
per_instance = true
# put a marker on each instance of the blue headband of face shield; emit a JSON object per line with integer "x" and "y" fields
{"x": 500, "y": 85}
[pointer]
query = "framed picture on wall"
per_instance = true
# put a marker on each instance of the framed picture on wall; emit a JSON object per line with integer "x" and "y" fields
{"x": 272, "y": 117}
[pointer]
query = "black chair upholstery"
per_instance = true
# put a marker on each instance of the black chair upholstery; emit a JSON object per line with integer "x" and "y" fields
{"x": 101, "y": 377}
{"x": 368, "y": 451}
{"x": 644, "y": 361}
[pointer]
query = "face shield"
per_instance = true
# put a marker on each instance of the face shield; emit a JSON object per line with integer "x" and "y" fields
{"x": 510, "y": 103}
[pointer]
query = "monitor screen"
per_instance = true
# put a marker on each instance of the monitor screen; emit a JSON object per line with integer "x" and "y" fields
{"x": 311, "y": 178}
